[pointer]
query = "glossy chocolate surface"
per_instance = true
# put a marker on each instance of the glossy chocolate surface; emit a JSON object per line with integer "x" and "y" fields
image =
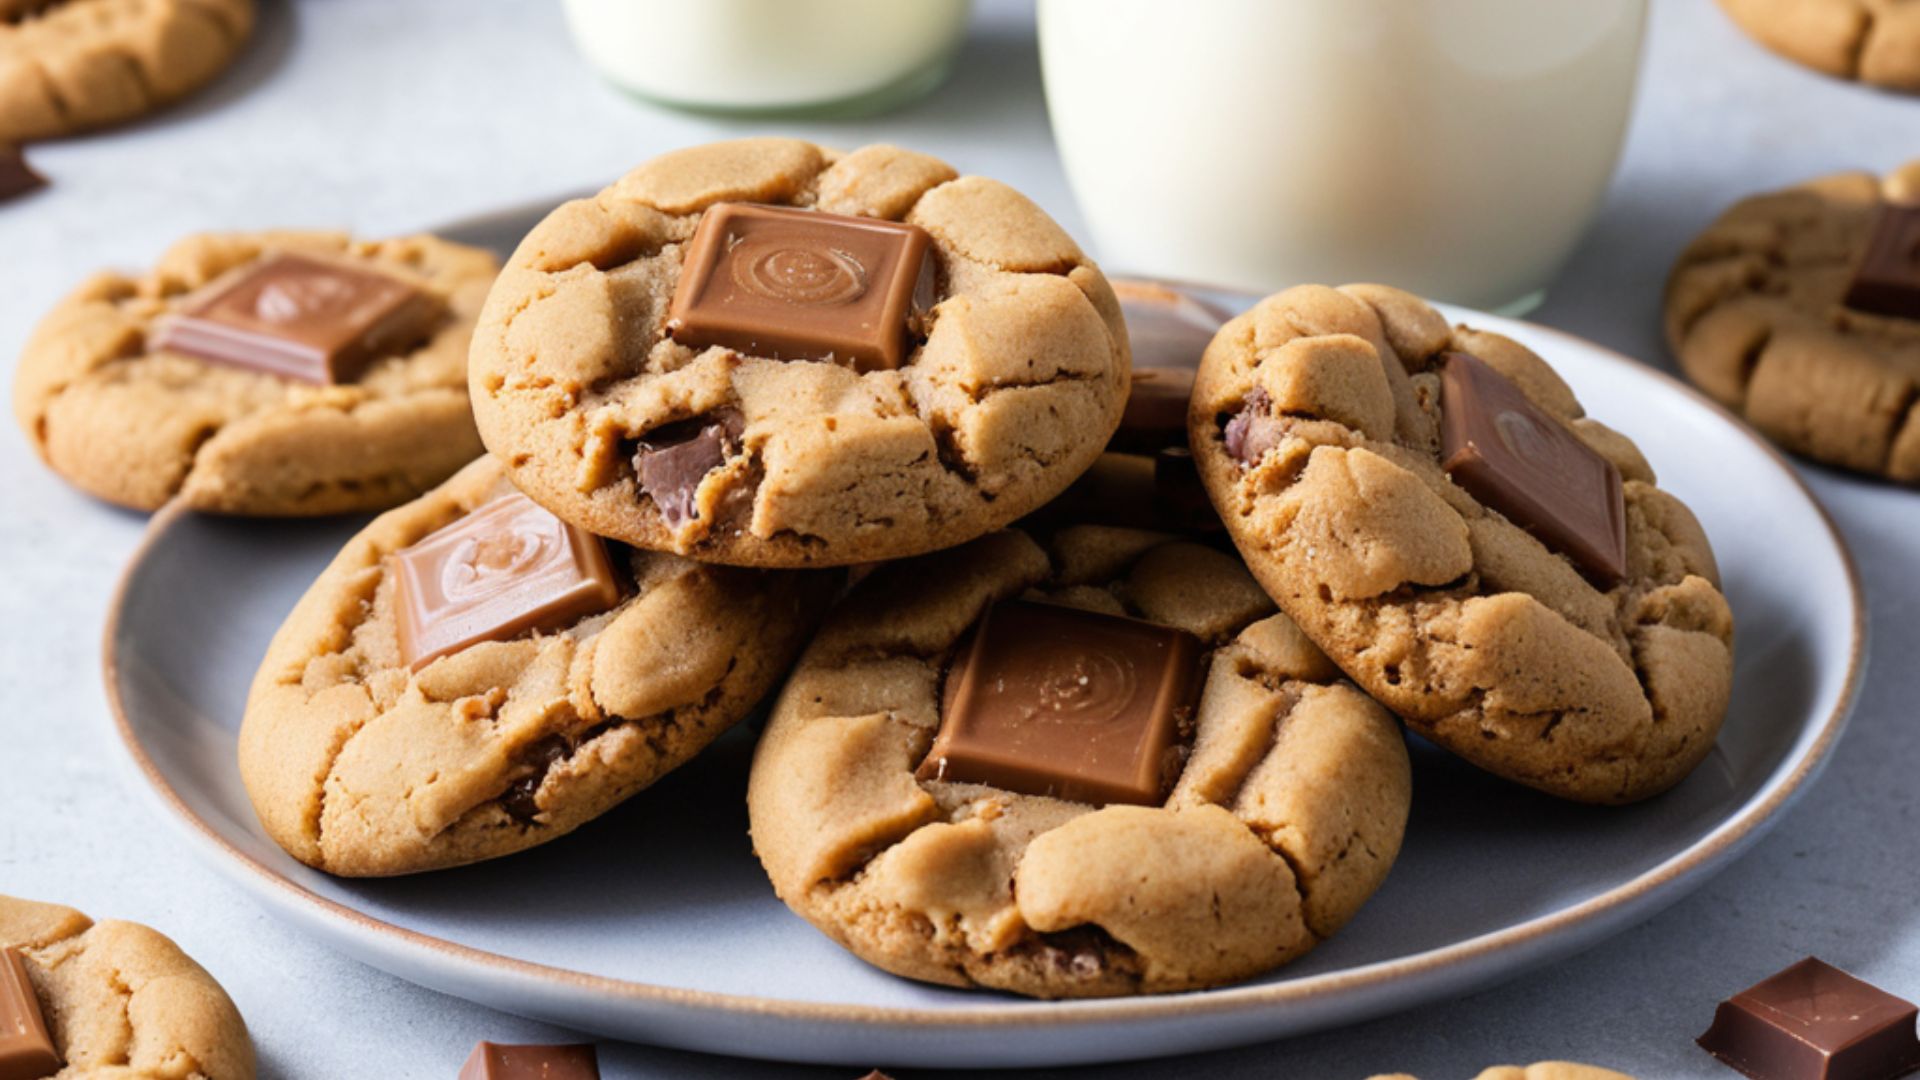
{"x": 1886, "y": 280}
{"x": 1516, "y": 459}
{"x": 303, "y": 318}
{"x": 498, "y": 1061}
{"x": 1049, "y": 700}
{"x": 672, "y": 461}
{"x": 789, "y": 284}
{"x": 505, "y": 569}
{"x": 1813, "y": 1021}
{"x": 1169, "y": 332}
{"x": 26, "y": 1049}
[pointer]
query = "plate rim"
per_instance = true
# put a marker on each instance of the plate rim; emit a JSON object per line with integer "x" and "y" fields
{"x": 1704, "y": 855}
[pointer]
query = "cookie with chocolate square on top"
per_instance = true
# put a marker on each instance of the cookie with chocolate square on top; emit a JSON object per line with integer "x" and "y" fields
{"x": 1432, "y": 507}
{"x": 769, "y": 353}
{"x": 1088, "y": 763}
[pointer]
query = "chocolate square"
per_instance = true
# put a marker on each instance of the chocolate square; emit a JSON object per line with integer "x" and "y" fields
{"x": 803, "y": 285}
{"x": 1169, "y": 331}
{"x": 1886, "y": 281}
{"x": 314, "y": 320}
{"x": 26, "y": 1049}
{"x": 497, "y": 1061}
{"x": 1516, "y": 459}
{"x": 1815, "y": 1021}
{"x": 504, "y": 569}
{"x": 1051, "y": 700}
{"x": 16, "y": 176}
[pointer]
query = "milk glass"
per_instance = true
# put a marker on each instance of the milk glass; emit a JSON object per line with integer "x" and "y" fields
{"x": 1455, "y": 148}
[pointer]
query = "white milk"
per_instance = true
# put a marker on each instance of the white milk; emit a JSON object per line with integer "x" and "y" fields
{"x": 1456, "y": 148}
{"x": 768, "y": 54}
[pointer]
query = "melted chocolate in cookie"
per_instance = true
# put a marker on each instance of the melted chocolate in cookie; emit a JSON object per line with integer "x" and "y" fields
{"x": 1254, "y": 430}
{"x": 803, "y": 285}
{"x": 303, "y": 318}
{"x": 1049, "y": 700}
{"x": 1887, "y": 279}
{"x": 672, "y": 460}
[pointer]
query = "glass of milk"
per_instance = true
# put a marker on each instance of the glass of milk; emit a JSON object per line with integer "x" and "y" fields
{"x": 1454, "y": 148}
{"x": 811, "y": 57}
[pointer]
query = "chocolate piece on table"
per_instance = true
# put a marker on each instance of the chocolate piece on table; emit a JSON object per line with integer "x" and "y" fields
{"x": 672, "y": 460}
{"x": 1816, "y": 1022}
{"x": 1156, "y": 412}
{"x": 1049, "y": 700}
{"x": 26, "y": 1049}
{"x": 1254, "y": 430}
{"x": 504, "y": 569}
{"x": 16, "y": 176}
{"x": 1887, "y": 279}
{"x": 497, "y": 1061}
{"x": 314, "y": 320}
{"x": 792, "y": 284}
{"x": 1516, "y": 459}
{"x": 1169, "y": 331}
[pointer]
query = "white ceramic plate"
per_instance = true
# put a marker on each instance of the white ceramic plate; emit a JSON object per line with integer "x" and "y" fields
{"x": 655, "y": 923}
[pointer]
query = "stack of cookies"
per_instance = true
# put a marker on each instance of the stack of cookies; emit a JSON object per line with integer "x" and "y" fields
{"x": 1090, "y": 616}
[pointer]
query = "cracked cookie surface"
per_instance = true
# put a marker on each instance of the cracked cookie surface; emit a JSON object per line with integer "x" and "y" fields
{"x": 1286, "y": 815}
{"x": 71, "y": 65}
{"x": 1482, "y": 638}
{"x": 136, "y": 426}
{"x": 361, "y": 767}
{"x": 1755, "y": 313}
{"x": 121, "y": 1000}
{"x": 1874, "y": 41}
{"x": 1010, "y": 391}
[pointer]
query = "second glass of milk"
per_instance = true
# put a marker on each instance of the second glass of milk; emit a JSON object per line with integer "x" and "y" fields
{"x": 1454, "y": 148}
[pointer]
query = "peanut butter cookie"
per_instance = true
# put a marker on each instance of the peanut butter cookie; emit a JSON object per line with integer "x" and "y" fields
{"x": 1100, "y": 766}
{"x": 1800, "y": 309}
{"x": 70, "y": 65}
{"x": 1539, "y": 1070}
{"x": 281, "y": 373}
{"x": 768, "y": 353}
{"x": 472, "y": 677}
{"x": 114, "y": 999}
{"x": 1874, "y": 41}
{"x": 1430, "y": 505}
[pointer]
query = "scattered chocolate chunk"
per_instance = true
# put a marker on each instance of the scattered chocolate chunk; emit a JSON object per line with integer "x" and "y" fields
{"x": 504, "y": 569}
{"x": 1254, "y": 430}
{"x": 673, "y": 460}
{"x": 1049, "y": 700}
{"x": 791, "y": 284}
{"x": 1169, "y": 331}
{"x": 1886, "y": 281}
{"x": 26, "y": 1049}
{"x": 1815, "y": 1022}
{"x": 16, "y": 176}
{"x": 497, "y": 1061}
{"x": 298, "y": 317}
{"x": 1517, "y": 460}
{"x": 1156, "y": 412}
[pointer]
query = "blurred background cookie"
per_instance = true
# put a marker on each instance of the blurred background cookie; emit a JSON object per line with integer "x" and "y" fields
{"x": 1874, "y": 41}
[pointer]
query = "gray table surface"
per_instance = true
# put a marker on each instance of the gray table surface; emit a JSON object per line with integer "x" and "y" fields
{"x": 389, "y": 115}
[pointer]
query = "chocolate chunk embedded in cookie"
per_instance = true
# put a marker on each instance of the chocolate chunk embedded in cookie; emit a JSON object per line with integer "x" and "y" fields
{"x": 274, "y": 374}
{"x": 1800, "y": 310}
{"x": 1432, "y": 507}
{"x": 1102, "y": 766}
{"x": 767, "y": 353}
{"x": 472, "y": 677}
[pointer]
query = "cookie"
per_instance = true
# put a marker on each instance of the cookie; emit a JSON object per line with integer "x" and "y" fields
{"x": 1539, "y": 1070}
{"x": 1874, "y": 41}
{"x": 1097, "y": 767}
{"x": 71, "y": 65}
{"x": 119, "y": 999}
{"x": 1430, "y": 505}
{"x": 118, "y": 395}
{"x": 913, "y": 359}
{"x": 458, "y": 685}
{"x": 1773, "y": 312}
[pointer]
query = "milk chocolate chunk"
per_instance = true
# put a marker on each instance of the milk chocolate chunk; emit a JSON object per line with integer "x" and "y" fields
{"x": 1169, "y": 331}
{"x": 499, "y": 1061}
{"x": 1815, "y": 1022}
{"x": 26, "y": 1049}
{"x": 1528, "y": 466}
{"x": 506, "y": 568}
{"x": 792, "y": 284}
{"x": 1056, "y": 701}
{"x": 1886, "y": 281}
{"x": 16, "y": 176}
{"x": 1254, "y": 430}
{"x": 312, "y": 320}
{"x": 674, "y": 459}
